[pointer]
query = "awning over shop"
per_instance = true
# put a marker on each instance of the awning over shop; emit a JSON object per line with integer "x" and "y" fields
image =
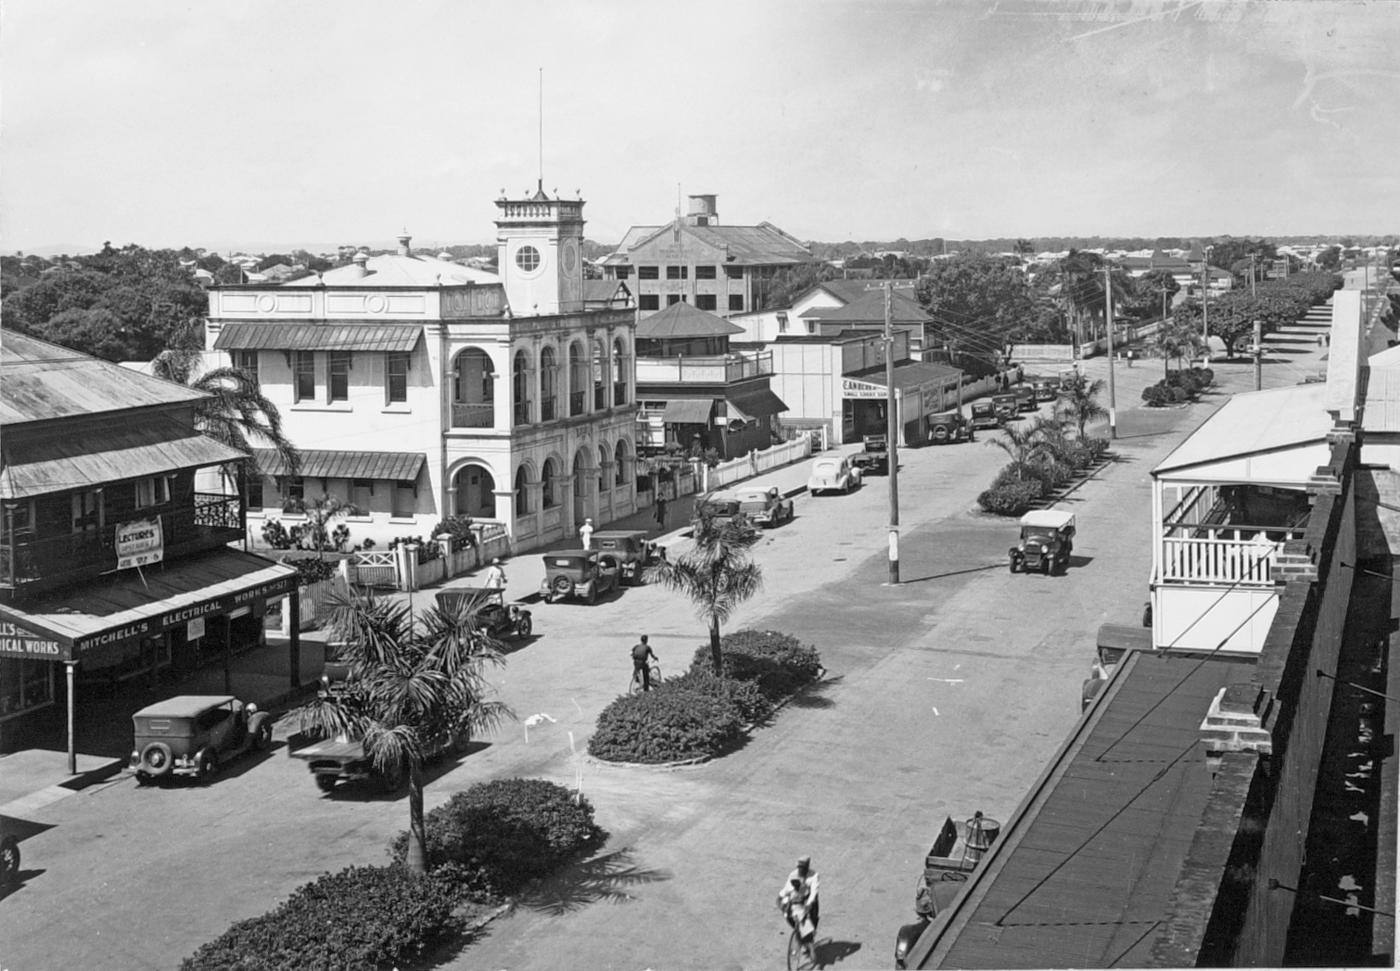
{"x": 907, "y": 376}
{"x": 332, "y": 464}
{"x": 33, "y": 466}
{"x": 243, "y": 336}
{"x": 688, "y": 411}
{"x": 130, "y": 605}
{"x": 754, "y": 404}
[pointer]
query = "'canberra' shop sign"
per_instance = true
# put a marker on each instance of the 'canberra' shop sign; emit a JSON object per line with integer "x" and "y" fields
{"x": 139, "y": 543}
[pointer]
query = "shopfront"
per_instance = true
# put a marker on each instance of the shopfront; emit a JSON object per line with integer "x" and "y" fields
{"x": 921, "y": 389}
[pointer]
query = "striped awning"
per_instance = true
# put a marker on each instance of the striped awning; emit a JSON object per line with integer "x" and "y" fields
{"x": 688, "y": 411}
{"x": 282, "y": 336}
{"x": 332, "y": 464}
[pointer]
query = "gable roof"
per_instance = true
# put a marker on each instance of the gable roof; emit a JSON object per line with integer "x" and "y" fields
{"x": 870, "y": 307}
{"x": 396, "y": 270}
{"x": 743, "y": 245}
{"x": 682, "y": 320}
{"x": 605, "y": 291}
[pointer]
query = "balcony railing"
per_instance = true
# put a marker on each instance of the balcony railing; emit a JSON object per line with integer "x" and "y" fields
{"x": 723, "y": 369}
{"x": 575, "y": 402}
{"x": 620, "y": 393}
{"x": 211, "y": 520}
{"x": 473, "y": 414}
{"x": 600, "y": 397}
{"x": 1224, "y": 555}
{"x": 522, "y": 412}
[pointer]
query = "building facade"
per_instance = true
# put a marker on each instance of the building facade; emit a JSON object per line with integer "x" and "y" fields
{"x": 418, "y": 389}
{"x": 720, "y": 269}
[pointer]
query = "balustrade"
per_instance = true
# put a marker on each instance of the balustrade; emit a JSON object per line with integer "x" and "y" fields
{"x": 473, "y": 414}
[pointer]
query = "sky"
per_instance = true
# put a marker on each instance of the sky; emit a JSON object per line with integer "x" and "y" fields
{"x": 266, "y": 125}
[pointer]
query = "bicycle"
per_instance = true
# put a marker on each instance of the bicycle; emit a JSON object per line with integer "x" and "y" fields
{"x": 800, "y": 957}
{"x": 635, "y": 685}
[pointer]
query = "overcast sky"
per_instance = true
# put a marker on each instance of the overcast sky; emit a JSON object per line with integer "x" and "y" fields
{"x": 326, "y": 121}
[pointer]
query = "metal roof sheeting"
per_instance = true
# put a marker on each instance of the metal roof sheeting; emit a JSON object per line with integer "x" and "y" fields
{"x": 240, "y": 335}
{"x": 1382, "y": 412}
{"x": 763, "y": 244}
{"x": 331, "y": 464}
{"x": 688, "y": 411}
{"x": 910, "y": 374}
{"x": 682, "y": 320}
{"x": 759, "y": 401}
{"x": 1253, "y": 423}
{"x": 55, "y": 463}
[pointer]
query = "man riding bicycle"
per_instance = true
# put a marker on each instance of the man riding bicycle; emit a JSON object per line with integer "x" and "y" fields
{"x": 800, "y": 904}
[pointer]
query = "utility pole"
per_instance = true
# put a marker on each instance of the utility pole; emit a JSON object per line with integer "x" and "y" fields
{"x": 1258, "y": 355}
{"x": 1251, "y": 275}
{"x": 892, "y": 428}
{"x": 1108, "y": 317}
{"x": 1205, "y": 287}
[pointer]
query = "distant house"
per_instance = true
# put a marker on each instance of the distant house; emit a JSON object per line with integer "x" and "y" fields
{"x": 606, "y": 295}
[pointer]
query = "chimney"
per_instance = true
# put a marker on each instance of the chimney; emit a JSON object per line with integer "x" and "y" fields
{"x": 702, "y": 211}
{"x": 360, "y": 259}
{"x": 404, "y": 248}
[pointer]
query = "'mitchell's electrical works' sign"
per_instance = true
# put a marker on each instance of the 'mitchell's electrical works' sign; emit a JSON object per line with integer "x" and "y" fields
{"x": 139, "y": 543}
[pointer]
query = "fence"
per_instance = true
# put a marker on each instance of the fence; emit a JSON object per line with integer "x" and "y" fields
{"x": 374, "y": 568}
{"x": 757, "y": 462}
{"x": 394, "y": 569}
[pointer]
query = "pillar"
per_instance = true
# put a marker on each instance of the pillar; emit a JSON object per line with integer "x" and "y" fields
{"x": 294, "y": 644}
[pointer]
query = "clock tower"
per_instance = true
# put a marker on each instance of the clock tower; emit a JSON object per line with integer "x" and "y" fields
{"x": 538, "y": 253}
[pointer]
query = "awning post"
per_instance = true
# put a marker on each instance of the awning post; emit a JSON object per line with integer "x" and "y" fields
{"x": 72, "y": 742}
{"x": 294, "y": 642}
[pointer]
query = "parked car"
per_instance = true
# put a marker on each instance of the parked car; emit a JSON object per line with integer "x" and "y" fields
{"x": 833, "y": 473}
{"x": 629, "y": 549}
{"x": 949, "y": 426}
{"x": 1047, "y": 540}
{"x": 488, "y": 605}
{"x": 1045, "y": 389}
{"x": 578, "y": 574}
{"x": 953, "y": 856}
{"x": 1025, "y": 397}
{"x": 766, "y": 507}
{"x": 985, "y": 415}
{"x": 874, "y": 457}
{"x": 191, "y": 734}
{"x": 1008, "y": 406}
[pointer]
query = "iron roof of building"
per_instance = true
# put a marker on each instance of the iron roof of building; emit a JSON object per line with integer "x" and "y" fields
{"x": 910, "y": 374}
{"x": 1382, "y": 410}
{"x": 763, "y": 244}
{"x": 752, "y": 402}
{"x": 683, "y": 320}
{"x": 847, "y": 290}
{"x": 688, "y": 411}
{"x": 397, "y": 270}
{"x": 344, "y": 464}
{"x": 302, "y": 336}
{"x": 595, "y": 291}
{"x": 43, "y": 381}
{"x": 870, "y": 306}
{"x": 1083, "y": 874}
{"x": 1255, "y": 423}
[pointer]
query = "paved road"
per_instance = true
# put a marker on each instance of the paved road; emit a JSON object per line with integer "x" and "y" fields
{"x": 946, "y": 694}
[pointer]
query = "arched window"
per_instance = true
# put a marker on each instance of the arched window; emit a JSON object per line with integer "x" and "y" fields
{"x": 549, "y": 385}
{"x": 473, "y": 390}
{"x": 602, "y": 469}
{"x": 548, "y": 484}
{"x": 600, "y": 375}
{"x": 620, "y": 463}
{"x": 522, "y": 491}
{"x": 520, "y": 375}
{"x": 619, "y": 373}
{"x": 578, "y": 378}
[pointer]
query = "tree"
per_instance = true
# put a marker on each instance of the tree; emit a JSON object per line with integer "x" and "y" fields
{"x": 1079, "y": 402}
{"x": 979, "y": 302}
{"x": 1177, "y": 337}
{"x": 1159, "y": 286}
{"x": 716, "y": 573}
{"x": 320, "y": 512}
{"x": 1330, "y": 258}
{"x": 789, "y": 284}
{"x": 410, "y": 685}
{"x": 1025, "y": 444}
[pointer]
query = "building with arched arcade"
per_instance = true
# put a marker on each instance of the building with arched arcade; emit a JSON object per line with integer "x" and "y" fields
{"x": 416, "y": 388}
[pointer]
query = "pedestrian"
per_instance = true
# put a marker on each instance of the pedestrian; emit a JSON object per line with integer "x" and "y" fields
{"x": 1130, "y": 357}
{"x": 495, "y": 576}
{"x": 585, "y": 534}
{"x": 661, "y": 511}
{"x": 641, "y": 654}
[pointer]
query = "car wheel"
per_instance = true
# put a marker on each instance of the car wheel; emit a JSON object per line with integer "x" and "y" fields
{"x": 9, "y": 860}
{"x": 524, "y": 628}
{"x": 325, "y": 782}
{"x": 1045, "y": 566}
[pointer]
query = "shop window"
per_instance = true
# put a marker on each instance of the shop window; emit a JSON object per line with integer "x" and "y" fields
{"x": 25, "y": 684}
{"x": 648, "y": 301}
{"x": 154, "y": 491}
{"x": 338, "y": 376}
{"x": 651, "y": 272}
{"x": 396, "y": 378}
{"x": 705, "y": 272}
{"x": 405, "y": 499}
{"x": 705, "y": 301}
{"x": 247, "y": 362}
{"x": 303, "y": 376}
{"x": 361, "y": 491}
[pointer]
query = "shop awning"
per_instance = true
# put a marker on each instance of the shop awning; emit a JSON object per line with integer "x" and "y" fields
{"x": 65, "y": 625}
{"x": 754, "y": 404}
{"x": 243, "y": 336}
{"x": 333, "y": 464}
{"x": 34, "y": 466}
{"x": 688, "y": 411}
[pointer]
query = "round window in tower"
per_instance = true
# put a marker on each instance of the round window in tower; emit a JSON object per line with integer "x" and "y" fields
{"x": 527, "y": 258}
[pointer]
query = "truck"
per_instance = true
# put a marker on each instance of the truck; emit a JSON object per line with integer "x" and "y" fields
{"x": 874, "y": 458}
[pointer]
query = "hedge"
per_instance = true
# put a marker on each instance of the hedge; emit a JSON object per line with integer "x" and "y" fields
{"x": 777, "y": 663}
{"x": 359, "y": 919}
{"x": 1010, "y": 499}
{"x": 666, "y": 724}
{"x": 746, "y": 697}
{"x": 496, "y": 836}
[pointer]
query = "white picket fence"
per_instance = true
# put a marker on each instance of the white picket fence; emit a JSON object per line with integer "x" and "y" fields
{"x": 757, "y": 462}
{"x": 389, "y": 568}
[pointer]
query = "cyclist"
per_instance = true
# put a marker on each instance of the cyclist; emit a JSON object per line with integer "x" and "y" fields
{"x": 811, "y": 881}
{"x": 796, "y": 902}
{"x": 641, "y": 654}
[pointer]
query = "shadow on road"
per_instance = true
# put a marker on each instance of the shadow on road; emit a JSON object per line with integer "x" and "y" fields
{"x": 954, "y": 573}
{"x": 604, "y": 878}
{"x": 814, "y": 695}
{"x": 829, "y": 952}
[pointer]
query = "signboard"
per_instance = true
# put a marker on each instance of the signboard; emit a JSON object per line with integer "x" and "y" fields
{"x": 139, "y": 543}
{"x": 194, "y": 630}
{"x": 15, "y": 641}
{"x": 851, "y": 388}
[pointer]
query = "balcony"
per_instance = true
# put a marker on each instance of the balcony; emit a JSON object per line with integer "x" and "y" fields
{"x": 34, "y": 564}
{"x": 1235, "y": 555}
{"x": 548, "y": 409}
{"x": 473, "y": 414}
{"x": 720, "y": 369}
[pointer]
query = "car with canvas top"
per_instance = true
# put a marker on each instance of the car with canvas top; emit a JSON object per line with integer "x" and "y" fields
{"x": 1047, "y": 540}
{"x": 578, "y": 575}
{"x": 189, "y": 735}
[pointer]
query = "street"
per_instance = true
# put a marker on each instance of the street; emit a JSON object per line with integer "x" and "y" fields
{"x": 944, "y": 695}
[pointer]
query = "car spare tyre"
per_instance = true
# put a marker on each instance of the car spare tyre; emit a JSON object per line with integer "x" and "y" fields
{"x": 562, "y": 586}
{"x": 156, "y": 759}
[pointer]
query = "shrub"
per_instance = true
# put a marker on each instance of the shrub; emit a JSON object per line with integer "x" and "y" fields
{"x": 1010, "y": 499}
{"x": 360, "y": 918}
{"x": 1179, "y": 394}
{"x": 1098, "y": 447}
{"x": 311, "y": 570}
{"x": 459, "y": 528}
{"x": 275, "y": 535}
{"x": 340, "y": 536}
{"x": 665, "y": 725}
{"x": 745, "y": 696}
{"x": 778, "y": 663}
{"x": 1156, "y": 395}
{"x": 495, "y": 836}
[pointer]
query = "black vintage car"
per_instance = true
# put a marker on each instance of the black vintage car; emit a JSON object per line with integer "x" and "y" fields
{"x": 578, "y": 575}
{"x": 1047, "y": 540}
{"x": 949, "y": 426}
{"x": 191, "y": 734}
{"x": 493, "y": 615}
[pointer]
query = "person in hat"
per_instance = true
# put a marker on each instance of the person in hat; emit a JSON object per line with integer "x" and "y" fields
{"x": 585, "y": 534}
{"x": 495, "y": 578}
{"x": 810, "y": 882}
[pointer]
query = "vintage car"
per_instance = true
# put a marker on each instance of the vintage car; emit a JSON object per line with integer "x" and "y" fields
{"x": 1047, "y": 539}
{"x": 1008, "y": 406}
{"x": 833, "y": 473}
{"x": 985, "y": 415}
{"x": 874, "y": 456}
{"x": 629, "y": 550}
{"x": 766, "y": 507}
{"x": 191, "y": 734}
{"x": 1025, "y": 397}
{"x": 488, "y": 605}
{"x": 1045, "y": 389}
{"x": 949, "y": 426}
{"x": 580, "y": 574}
{"x": 343, "y": 759}
{"x": 9, "y": 856}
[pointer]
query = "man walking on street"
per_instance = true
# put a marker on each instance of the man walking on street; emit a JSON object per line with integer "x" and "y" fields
{"x": 585, "y": 534}
{"x": 641, "y": 655}
{"x": 661, "y": 511}
{"x": 495, "y": 578}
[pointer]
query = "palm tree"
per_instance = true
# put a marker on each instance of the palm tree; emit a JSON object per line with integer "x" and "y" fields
{"x": 716, "y": 574}
{"x": 319, "y": 513}
{"x": 1079, "y": 403}
{"x": 1025, "y": 444}
{"x": 411, "y": 684}
{"x": 1177, "y": 337}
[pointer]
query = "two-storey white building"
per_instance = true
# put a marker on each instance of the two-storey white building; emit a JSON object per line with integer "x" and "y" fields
{"x": 417, "y": 388}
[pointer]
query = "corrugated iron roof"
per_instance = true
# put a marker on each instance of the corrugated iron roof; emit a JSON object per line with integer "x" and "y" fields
{"x": 688, "y": 411}
{"x": 1083, "y": 874}
{"x": 683, "y": 320}
{"x": 870, "y": 307}
{"x": 241, "y": 335}
{"x": 397, "y": 270}
{"x": 1255, "y": 423}
{"x": 53, "y": 463}
{"x": 1382, "y": 411}
{"x": 40, "y": 381}
{"x": 332, "y": 464}
{"x": 764, "y": 244}
{"x": 757, "y": 401}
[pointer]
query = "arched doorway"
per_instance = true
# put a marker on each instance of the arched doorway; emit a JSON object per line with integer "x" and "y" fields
{"x": 475, "y": 491}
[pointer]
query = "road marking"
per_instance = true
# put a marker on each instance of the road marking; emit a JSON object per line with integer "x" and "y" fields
{"x": 948, "y": 680}
{"x": 935, "y": 711}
